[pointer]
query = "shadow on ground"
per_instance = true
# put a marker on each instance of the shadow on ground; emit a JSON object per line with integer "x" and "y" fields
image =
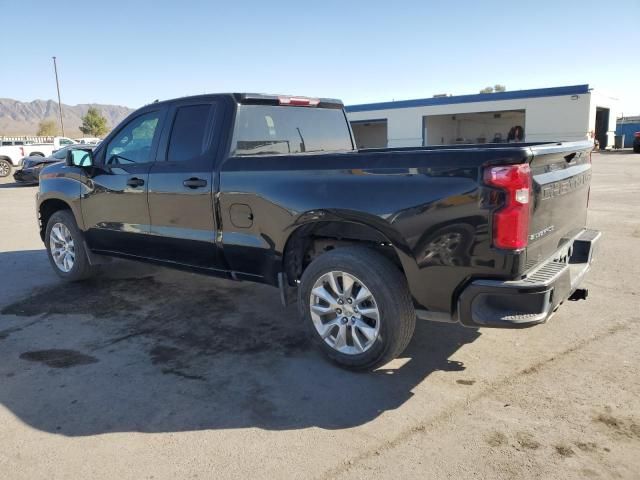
{"x": 620, "y": 151}
{"x": 152, "y": 350}
{"x": 16, "y": 185}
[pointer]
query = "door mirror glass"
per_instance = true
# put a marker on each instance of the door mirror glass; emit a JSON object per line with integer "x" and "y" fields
{"x": 79, "y": 158}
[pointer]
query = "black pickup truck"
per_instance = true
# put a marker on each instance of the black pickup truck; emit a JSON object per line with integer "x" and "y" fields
{"x": 271, "y": 189}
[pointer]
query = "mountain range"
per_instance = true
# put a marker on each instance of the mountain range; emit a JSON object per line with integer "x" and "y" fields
{"x": 22, "y": 118}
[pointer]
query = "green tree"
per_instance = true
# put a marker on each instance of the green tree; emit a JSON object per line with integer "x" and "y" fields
{"x": 93, "y": 123}
{"x": 499, "y": 88}
{"x": 487, "y": 90}
{"x": 47, "y": 128}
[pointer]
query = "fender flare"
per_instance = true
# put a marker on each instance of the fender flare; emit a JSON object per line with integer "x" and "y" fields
{"x": 314, "y": 219}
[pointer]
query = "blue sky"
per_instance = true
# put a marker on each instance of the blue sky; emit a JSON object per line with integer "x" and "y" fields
{"x": 130, "y": 53}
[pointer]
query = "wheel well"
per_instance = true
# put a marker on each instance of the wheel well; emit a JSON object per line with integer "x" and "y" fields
{"x": 36, "y": 154}
{"x": 310, "y": 241}
{"x": 48, "y": 208}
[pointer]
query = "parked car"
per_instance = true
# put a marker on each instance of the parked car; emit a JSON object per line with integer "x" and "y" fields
{"x": 271, "y": 189}
{"x": 45, "y": 149}
{"x": 11, "y": 155}
{"x": 31, "y": 166}
{"x": 636, "y": 142}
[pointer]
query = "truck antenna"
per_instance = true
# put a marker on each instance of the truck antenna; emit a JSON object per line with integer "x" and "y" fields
{"x": 55, "y": 69}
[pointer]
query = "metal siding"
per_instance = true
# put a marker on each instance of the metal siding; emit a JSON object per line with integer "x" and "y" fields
{"x": 627, "y": 129}
{"x": 481, "y": 97}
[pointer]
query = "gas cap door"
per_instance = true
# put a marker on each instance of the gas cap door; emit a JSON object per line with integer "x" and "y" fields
{"x": 241, "y": 215}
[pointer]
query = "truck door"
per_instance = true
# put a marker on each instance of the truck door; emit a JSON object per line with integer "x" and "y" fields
{"x": 114, "y": 202}
{"x": 181, "y": 186}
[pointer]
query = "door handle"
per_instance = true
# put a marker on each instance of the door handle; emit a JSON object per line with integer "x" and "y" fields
{"x": 135, "y": 182}
{"x": 195, "y": 183}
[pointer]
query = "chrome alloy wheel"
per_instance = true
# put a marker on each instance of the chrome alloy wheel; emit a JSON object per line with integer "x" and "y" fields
{"x": 344, "y": 313}
{"x": 62, "y": 247}
{"x": 5, "y": 169}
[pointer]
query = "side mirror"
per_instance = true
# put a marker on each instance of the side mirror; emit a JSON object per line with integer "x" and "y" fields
{"x": 79, "y": 158}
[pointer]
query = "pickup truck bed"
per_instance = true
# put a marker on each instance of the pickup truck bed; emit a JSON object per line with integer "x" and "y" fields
{"x": 271, "y": 189}
{"x": 428, "y": 202}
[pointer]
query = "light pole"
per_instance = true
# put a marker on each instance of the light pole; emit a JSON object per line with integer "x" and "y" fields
{"x": 55, "y": 69}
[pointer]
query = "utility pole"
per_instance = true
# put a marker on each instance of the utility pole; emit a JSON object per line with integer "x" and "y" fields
{"x": 55, "y": 69}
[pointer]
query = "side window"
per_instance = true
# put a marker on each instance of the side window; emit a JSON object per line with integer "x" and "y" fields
{"x": 190, "y": 135}
{"x": 133, "y": 143}
{"x": 65, "y": 141}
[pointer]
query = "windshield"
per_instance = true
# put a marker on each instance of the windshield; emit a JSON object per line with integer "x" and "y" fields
{"x": 60, "y": 154}
{"x": 268, "y": 130}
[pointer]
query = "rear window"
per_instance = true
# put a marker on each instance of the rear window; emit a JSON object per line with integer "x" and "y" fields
{"x": 188, "y": 137}
{"x": 269, "y": 130}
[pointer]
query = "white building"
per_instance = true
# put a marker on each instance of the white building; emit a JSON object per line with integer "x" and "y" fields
{"x": 544, "y": 114}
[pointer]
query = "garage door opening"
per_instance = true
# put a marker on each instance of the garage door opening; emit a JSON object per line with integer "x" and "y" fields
{"x": 370, "y": 133}
{"x": 477, "y": 127}
{"x": 602, "y": 126}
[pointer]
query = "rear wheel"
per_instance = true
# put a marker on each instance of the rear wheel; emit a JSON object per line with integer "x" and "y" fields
{"x": 5, "y": 168}
{"x": 65, "y": 247}
{"x": 357, "y": 306}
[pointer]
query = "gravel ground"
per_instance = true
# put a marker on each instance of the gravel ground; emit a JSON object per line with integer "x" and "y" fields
{"x": 150, "y": 373}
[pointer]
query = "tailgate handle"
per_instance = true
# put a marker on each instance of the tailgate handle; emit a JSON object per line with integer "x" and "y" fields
{"x": 570, "y": 157}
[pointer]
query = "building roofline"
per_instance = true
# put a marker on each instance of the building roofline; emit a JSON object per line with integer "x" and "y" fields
{"x": 479, "y": 97}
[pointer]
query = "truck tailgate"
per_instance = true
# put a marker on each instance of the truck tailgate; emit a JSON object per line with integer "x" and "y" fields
{"x": 561, "y": 179}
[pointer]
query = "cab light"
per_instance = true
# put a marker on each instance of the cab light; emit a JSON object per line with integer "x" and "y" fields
{"x": 299, "y": 101}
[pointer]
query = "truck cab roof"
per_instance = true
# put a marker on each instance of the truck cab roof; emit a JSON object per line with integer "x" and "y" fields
{"x": 259, "y": 98}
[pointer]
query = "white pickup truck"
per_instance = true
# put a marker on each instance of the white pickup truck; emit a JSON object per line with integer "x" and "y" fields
{"x": 13, "y": 151}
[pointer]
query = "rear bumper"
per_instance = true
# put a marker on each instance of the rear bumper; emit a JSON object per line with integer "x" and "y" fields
{"x": 533, "y": 299}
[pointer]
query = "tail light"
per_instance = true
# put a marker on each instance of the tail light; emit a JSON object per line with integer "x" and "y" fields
{"x": 511, "y": 221}
{"x": 22, "y": 151}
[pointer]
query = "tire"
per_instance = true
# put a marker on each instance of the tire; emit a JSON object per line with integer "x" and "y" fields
{"x": 389, "y": 296}
{"x": 80, "y": 268}
{"x": 5, "y": 168}
{"x": 636, "y": 149}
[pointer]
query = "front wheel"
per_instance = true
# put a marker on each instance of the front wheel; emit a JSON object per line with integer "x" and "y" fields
{"x": 357, "y": 306}
{"x": 65, "y": 247}
{"x": 5, "y": 168}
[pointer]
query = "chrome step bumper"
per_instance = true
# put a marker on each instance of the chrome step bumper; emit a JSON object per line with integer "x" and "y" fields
{"x": 530, "y": 300}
